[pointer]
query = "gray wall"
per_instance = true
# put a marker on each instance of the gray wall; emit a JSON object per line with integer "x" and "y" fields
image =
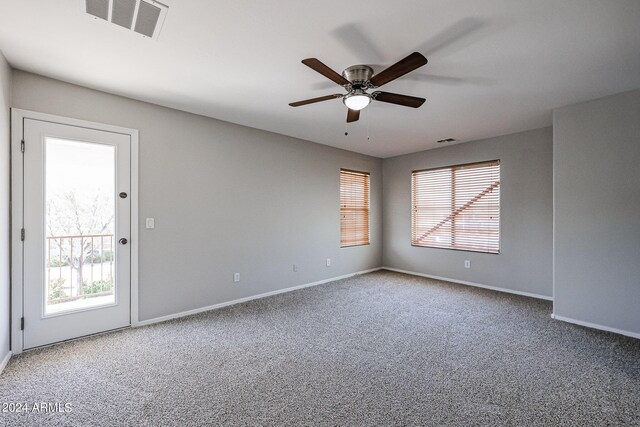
{"x": 597, "y": 212}
{"x": 525, "y": 261}
{"x": 5, "y": 243}
{"x": 226, "y": 198}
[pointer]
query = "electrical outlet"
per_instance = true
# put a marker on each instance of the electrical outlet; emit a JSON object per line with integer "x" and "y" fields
{"x": 295, "y": 268}
{"x": 328, "y": 262}
{"x": 236, "y": 277}
{"x": 467, "y": 263}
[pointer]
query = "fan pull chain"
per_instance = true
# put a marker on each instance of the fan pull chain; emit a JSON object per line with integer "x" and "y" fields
{"x": 368, "y": 122}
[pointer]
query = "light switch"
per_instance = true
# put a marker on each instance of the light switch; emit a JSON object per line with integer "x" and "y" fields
{"x": 150, "y": 223}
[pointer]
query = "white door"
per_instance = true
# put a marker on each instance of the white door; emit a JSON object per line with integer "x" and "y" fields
{"x": 76, "y": 249}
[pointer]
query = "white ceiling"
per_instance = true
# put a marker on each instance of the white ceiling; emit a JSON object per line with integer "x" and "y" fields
{"x": 495, "y": 66}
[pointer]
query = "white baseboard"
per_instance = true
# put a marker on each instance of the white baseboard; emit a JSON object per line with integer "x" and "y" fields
{"x": 477, "y": 285}
{"x": 596, "y": 326}
{"x": 249, "y": 298}
{"x": 4, "y": 362}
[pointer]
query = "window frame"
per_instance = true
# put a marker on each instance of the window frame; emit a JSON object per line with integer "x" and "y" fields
{"x": 459, "y": 165}
{"x": 368, "y": 178}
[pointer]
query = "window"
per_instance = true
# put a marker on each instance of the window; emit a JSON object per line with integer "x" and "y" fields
{"x": 457, "y": 207}
{"x": 354, "y": 208}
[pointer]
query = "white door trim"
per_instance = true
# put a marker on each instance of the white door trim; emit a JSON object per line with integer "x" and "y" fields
{"x": 17, "y": 119}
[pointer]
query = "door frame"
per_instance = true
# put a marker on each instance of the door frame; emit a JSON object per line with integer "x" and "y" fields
{"x": 17, "y": 202}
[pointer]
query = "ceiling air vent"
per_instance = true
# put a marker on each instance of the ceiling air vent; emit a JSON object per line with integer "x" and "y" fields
{"x": 122, "y": 13}
{"x": 98, "y": 8}
{"x": 442, "y": 141}
{"x": 144, "y": 17}
{"x": 148, "y": 15}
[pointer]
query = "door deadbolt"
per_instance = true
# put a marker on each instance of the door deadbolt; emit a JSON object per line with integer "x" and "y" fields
{"x": 123, "y": 195}
{"x": 123, "y": 241}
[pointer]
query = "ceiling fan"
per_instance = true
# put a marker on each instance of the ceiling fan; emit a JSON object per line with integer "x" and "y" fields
{"x": 357, "y": 79}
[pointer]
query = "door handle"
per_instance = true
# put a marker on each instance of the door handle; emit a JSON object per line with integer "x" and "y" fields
{"x": 123, "y": 241}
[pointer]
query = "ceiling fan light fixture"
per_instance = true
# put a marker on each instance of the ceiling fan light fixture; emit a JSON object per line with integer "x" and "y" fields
{"x": 357, "y": 100}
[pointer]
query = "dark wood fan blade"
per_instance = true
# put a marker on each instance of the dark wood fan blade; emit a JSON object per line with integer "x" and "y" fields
{"x": 399, "y": 69}
{"x": 352, "y": 115}
{"x": 318, "y": 66}
{"x": 394, "y": 98}
{"x": 312, "y": 100}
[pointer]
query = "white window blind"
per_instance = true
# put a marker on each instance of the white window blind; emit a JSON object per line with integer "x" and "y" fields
{"x": 457, "y": 207}
{"x": 354, "y": 208}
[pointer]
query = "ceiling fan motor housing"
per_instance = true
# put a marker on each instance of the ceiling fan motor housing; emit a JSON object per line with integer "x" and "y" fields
{"x": 358, "y": 75}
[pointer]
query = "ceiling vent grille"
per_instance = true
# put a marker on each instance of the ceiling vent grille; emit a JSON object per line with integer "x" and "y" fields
{"x": 148, "y": 15}
{"x": 144, "y": 17}
{"x": 98, "y": 8}
{"x": 123, "y": 11}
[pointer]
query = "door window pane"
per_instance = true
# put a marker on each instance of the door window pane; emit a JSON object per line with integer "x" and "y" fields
{"x": 79, "y": 225}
